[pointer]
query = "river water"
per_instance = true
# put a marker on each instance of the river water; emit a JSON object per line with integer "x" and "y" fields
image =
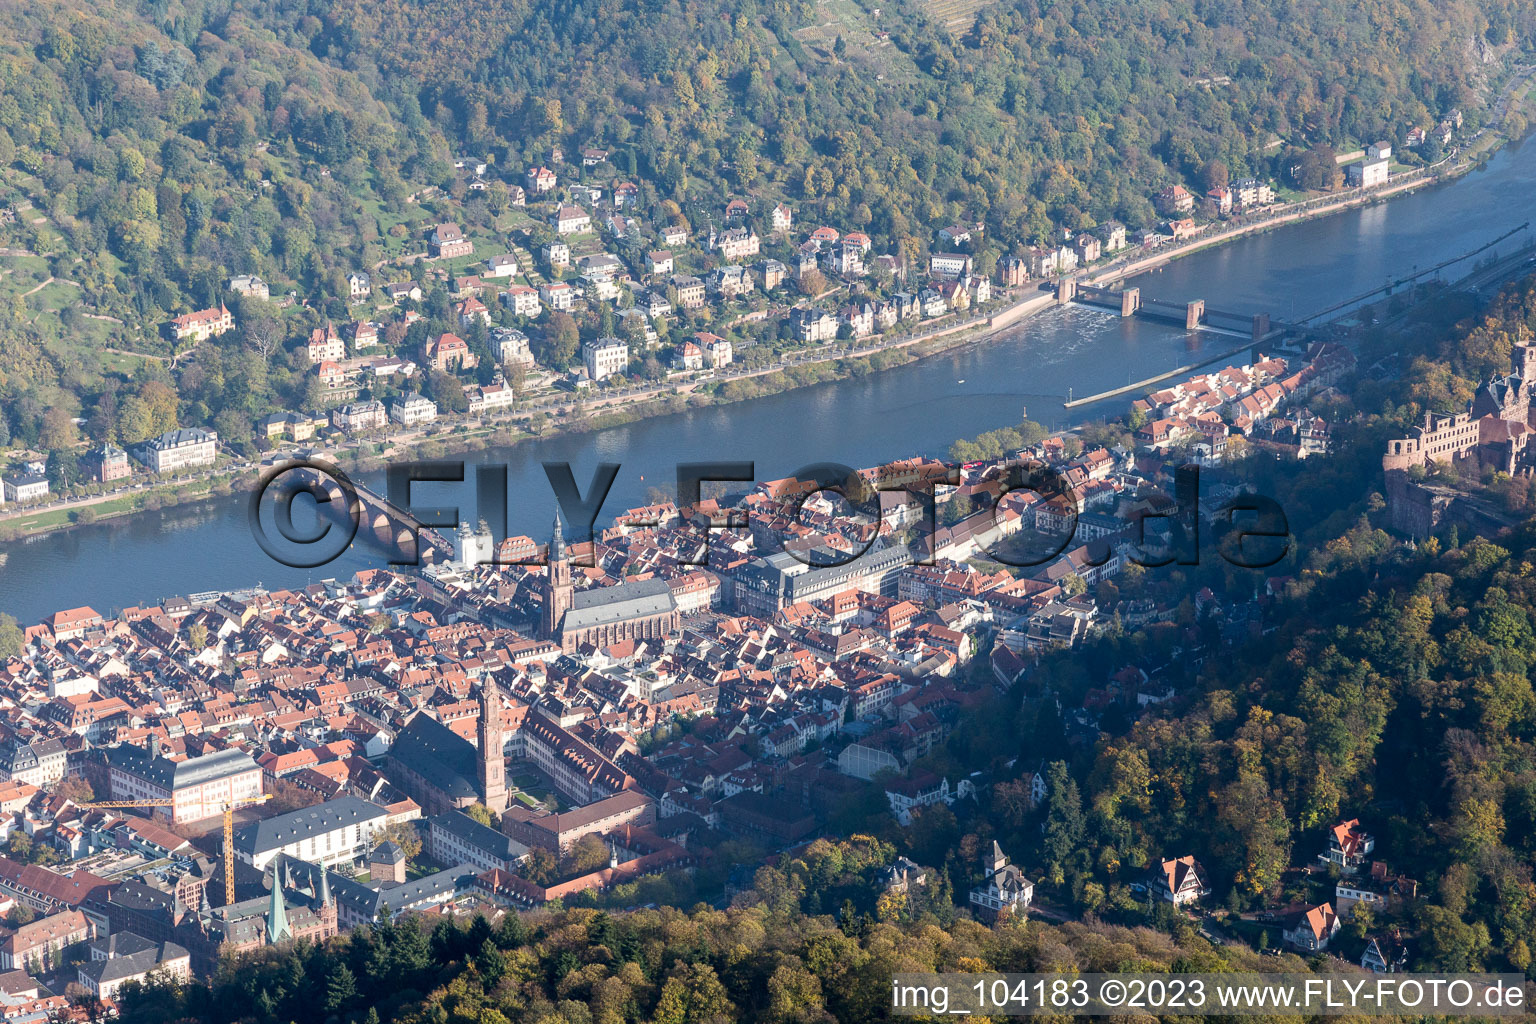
{"x": 918, "y": 408}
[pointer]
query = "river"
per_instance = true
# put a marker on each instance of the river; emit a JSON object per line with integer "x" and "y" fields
{"x": 918, "y": 408}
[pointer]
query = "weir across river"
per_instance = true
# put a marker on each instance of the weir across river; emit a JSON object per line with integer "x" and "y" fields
{"x": 1194, "y": 315}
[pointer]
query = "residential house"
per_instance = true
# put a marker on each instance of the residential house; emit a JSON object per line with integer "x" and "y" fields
{"x": 1249, "y": 193}
{"x": 540, "y": 180}
{"x": 325, "y": 343}
{"x": 772, "y": 273}
{"x": 955, "y": 234}
{"x": 511, "y": 346}
{"x": 605, "y": 357}
{"x": 717, "y": 350}
{"x": 659, "y": 261}
{"x": 690, "y": 291}
{"x": 105, "y": 463}
{"x": 688, "y": 356}
{"x": 1179, "y": 881}
{"x": 504, "y": 265}
{"x": 1175, "y": 199}
{"x": 359, "y": 416}
{"x": 250, "y": 286}
{"x": 812, "y": 324}
{"x": 1005, "y": 891}
{"x": 359, "y": 286}
{"x": 522, "y": 300}
{"x": 447, "y": 242}
{"x": 731, "y": 282}
{"x": 411, "y": 409}
{"x": 571, "y": 220}
{"x": 738, "y": 244}
{"x": 1112, "y": 232}
{"x": 949, "y": 265}
{"x": 1384, "y": 955}
{"x": 1314, "y": 929}
{"x": 448, "y": 352}
{"x": 472, "y": 310}
{"x": 556, "y": 294}
{"x": 365, "y": 335}
{"x": 860, "y": 318}
{"x": 24, "y": 486}
{"x": 556, "y": 254}
{"x": 782, "y": 218}
{"x": 1348, "y": 846}
{"x": 203, "y": 324}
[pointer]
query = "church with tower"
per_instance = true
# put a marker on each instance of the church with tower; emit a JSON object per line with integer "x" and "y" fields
{"x": 442, "y": 771}
{"x": 601, "y": 616}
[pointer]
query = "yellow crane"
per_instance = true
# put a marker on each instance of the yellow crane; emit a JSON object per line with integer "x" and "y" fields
{"x": 229, "y": 829}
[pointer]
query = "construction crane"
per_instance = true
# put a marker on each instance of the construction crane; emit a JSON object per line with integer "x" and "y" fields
{"x": 229, "y": 829}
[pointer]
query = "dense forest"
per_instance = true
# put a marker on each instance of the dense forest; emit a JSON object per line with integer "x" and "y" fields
{"x": 667, "y": 966}
{"x": 151, "y": 150}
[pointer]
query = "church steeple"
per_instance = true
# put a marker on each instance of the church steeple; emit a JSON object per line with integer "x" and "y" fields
{"x": 277, "y": 910}
{"x": 557, "y": 541}
{"x": 559, "y": 592}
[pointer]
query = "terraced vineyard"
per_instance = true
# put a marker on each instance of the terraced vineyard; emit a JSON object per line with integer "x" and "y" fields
{"x": 956, "y": 15}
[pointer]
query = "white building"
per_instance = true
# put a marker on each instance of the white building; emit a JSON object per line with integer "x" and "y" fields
{"x": 605, "y": 357}
{"x": 571, "y": 220}
{"x": 504, "y": 265}
{"x": 336, "y": 832}
{"x": 522, "y": 300}
{"x": 179, "y": 449}
{"x": 411, "y": 408}
{"x": 718, "y": 351}
{"x": 1005, "y": 891}
{"x": 949, "y": 264}
{"x": 1179, "y": 881}
{"x": 355, "y": 416}
{"x": 23, "y": 487}
{"x": 511, "y": 346}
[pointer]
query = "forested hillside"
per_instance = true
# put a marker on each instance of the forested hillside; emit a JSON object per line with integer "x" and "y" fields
{"x": 149, "y": 151}
{"x": 663, "y": 966}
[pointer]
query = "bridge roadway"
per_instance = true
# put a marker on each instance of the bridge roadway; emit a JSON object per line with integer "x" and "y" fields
{"x": 394, "y": 530}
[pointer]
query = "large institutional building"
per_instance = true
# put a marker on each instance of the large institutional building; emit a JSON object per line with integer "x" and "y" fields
{"x": 604, "y": 615}
{"x": 197, "y": 788}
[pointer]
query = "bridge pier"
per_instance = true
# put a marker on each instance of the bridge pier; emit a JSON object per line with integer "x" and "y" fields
{"x": 1066, "y": 290}
{"x": 1193, "y": 314}
{"x": 1130, "y": 301}
{"x": 1260, "y": 327}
